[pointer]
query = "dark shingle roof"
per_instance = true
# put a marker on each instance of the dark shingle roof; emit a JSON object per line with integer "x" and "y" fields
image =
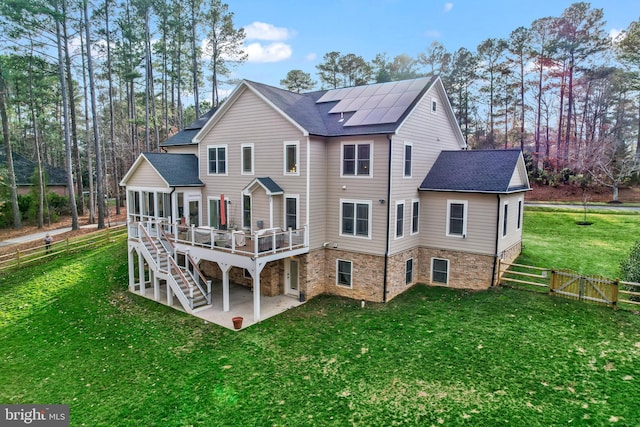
{"x": 25, "y": 168}
{"x": 316, "y": 118}
{"x": 179, "y": 170}
{"x": 482, "y": 171}
{"x": 267, "y": 183}
{"x": 185, "y": 136}
{"x": 270, "y": 185}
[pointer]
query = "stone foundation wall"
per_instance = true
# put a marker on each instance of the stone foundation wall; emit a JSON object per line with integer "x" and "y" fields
{"x": 367, "y": 275}
{"x": 271, "y": 277}
{"x": 466, "y": 270}
{"x": 318, "y": 269}
{"x": 396, "y": 272}
{"x": 313, "y": 273}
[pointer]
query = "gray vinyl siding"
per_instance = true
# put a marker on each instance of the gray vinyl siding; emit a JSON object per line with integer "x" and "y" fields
{"x": 481, "y": 222}
{"x": 428, "y": 134}
{"x": 519, "y": 177}
{"x": 252, "y": 120}
{"x": 513, "y": 234}
{"x": 146, "y": 176}
{"x": 318, "y": 209}
{"x": 358, "y": 188}
{"x": 183, "y": 149}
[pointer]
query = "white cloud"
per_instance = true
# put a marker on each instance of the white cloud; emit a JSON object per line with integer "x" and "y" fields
{"x": 311, "y": 56}
{"x": 263, "y": 31}
{"x": 614, "y": 34}
{"x": 432, "y": 34}
{"x": 273, "y": 52}
{"x": 447, "y": 7}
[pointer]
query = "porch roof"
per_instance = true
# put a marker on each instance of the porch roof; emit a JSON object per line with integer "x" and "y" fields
{"x": 177, "y": 170}
{"x": 267, "y": 183}
{"x": 479, "y": 171}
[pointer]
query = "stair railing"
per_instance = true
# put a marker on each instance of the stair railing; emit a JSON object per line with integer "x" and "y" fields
{"x": 174, "y": 266}
{"x": 144, "y": 236}
{"x": 198, "y": 277}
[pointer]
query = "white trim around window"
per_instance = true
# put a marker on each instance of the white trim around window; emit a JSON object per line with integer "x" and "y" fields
{"x": 296, "y": 200}
{"x": 362, "y": 167}
{"x": 415, "y": 216}
{"x": 351, "y": 226}
{"x": 520, "y": 213}
{"x": 399, "y": 222}
{"x": 407, "y": 164}
{"x": 440, "y": 271}
{"x": 409, "y": 271}
{"x": 460, "y": 223}
{"x": 505, "y": 219}
{"x": 344, "y": 273}
{"x": 244, "y": 149}
{"x": 291, "y": 166}
{"x": 220, "y": 163}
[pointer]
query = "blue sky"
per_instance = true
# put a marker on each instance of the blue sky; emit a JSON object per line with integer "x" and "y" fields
{"x": 295, "y": 34}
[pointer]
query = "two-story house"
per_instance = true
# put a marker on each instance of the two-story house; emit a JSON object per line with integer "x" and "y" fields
{"x": 360, "y": 192}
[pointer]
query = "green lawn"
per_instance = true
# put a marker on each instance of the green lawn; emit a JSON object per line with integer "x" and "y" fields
{"x": 552, "y": 239}
{"x": 71, "y": 333}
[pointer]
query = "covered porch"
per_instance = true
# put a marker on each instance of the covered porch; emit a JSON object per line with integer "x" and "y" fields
{"x": 242, "y": 305}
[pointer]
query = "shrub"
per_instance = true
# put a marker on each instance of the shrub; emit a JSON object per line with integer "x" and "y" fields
{"x": 630, "y": 269}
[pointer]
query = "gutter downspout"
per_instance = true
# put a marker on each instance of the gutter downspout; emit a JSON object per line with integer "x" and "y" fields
{"x": 386, "y": 252}
{"x": 495, "y": 256}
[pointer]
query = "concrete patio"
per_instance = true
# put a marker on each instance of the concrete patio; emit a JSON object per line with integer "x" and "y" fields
{"x": 240, "y": 302}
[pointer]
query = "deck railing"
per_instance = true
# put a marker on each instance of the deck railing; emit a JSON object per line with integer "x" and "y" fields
{"x": 259, "y": 243}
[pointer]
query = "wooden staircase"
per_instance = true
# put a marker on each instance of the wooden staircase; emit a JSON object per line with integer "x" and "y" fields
{"x": 188, "y": 284}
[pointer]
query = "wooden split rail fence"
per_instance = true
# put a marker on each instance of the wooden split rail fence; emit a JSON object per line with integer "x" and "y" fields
{"x": 25, "y": 257}
{"x": 569, "y": 284}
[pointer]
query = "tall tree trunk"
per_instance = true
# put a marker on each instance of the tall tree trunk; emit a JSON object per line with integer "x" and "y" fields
{"x": 72, "y": 109}
{"x": 112, "y": 129}
{"x": 65, "y": 119}
{"x": 560, "y": 121}
{"x": 42, "y": 193}
{"x": 15, "y": 209}
{"x": 567, "y": 137}
{"x": 87, "y": 132}
{"x": 194, "y": 59}
{"x": 94, "y": 115}
{"x": 539, "y": 163}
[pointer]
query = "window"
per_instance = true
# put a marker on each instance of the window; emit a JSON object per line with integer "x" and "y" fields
{"x": 457, "y": 218}
{"x": 356, "y": 159}
{"x": 505, "y": 217}
{"x": 215, "y": 216}
{"x": 247, "y": 159}
{"x": 246, "y": 211}
{"x": 399, "y": 219}
{"x": 356, "y": 217}
{"x": 291, "y": 158}
{"x": 164, "y": 205}
{"x": 408, "y": 151}
{"x": 217, "y": 160}
{"x": 519, "y": 214}
{"x": 408, "y": 271}
{"x": 291, "y": 213}
{"x": 434, "y": 105}
{"x": 344, "y": 273}
{"x": 415, "y": 215}
{"x": 440, "y": 270}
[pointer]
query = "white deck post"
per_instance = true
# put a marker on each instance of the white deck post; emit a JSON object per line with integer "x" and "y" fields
{"x": 132, "y": 279}
{"x": 256, "y": 293}
{"x": 225, "y": 286}
{"x": 156, "y": 286}
{"x": 143, "y": 284}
